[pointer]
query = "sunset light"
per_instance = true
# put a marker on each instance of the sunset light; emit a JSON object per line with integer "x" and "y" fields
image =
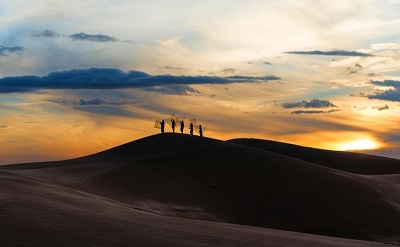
{"x": 212, "y": 122}
{"x": 82, "y": 77}
{"x": 358, "y": 145}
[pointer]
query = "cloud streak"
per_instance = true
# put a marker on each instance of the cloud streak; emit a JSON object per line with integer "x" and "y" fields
{"x": 315, "y": 103}
{"x": 173, "y": 90}
{"x": 108, "y": 78}
{"x": 47, "y": 34}
{"x": 94, "y": 38}
{"x": 311, "y": 112}
{"x": 332, "y": 53}
{"x": 76, "y": 37}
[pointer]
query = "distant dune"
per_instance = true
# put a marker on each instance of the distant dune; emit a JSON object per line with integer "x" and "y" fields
{"x": 170, "y": 189}
{"x": 345, "y": 161}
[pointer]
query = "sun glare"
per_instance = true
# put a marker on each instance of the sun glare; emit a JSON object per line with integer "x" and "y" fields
{"x": 358, "y": 145}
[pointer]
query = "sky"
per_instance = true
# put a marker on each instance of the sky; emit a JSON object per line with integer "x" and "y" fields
{"x": 79, "y": 77}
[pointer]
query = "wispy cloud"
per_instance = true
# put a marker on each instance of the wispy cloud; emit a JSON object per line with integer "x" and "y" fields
{"x": 4, "y": 50}
{"x": 314, "y": 103}
{"x": 97, "y": 101}
{"x": 106, "y": 78}
{"x": 47, "y": 34}
{"x": 356, "y": 69}
{"x": 332, "y": 53}
{"x": 76, "y": 37}
{"x": 90, "y": 102}
{"x": 172, "y": 68}
{"x": 173, "y": 90}
{"x": 106, "y": 110}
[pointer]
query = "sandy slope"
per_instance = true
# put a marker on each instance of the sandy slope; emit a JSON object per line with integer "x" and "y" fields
{"x": 202, "y": 178}
{"x": 33, "y": 213}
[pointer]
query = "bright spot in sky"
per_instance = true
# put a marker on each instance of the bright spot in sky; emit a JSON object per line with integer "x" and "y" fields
{"x": 358, "y": 145}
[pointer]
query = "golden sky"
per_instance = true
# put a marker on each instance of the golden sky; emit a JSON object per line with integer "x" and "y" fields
{"x": 313, "y": 73}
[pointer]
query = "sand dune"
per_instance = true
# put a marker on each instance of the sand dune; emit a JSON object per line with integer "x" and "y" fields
{"x": 346, "y": 161}
{"x": 246, "y": 185}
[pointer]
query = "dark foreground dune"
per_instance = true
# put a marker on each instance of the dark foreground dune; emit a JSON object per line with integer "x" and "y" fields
{"x": 181, "y": 190}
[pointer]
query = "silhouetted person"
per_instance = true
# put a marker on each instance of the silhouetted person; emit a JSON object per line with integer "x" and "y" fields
{"x": 191, "y": 128}
{"x": 173, "y": 125}
{"x": 182, "y": 126}
{"x": 162, "y": 126}
{"x": 200, "y": 131}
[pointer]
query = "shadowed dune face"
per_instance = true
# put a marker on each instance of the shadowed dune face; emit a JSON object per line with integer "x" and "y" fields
{"x": 33, "y": 213}
{"x": 202, "y": 178}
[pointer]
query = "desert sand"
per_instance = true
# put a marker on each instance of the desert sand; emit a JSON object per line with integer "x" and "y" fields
{"x": 182, "y": 190}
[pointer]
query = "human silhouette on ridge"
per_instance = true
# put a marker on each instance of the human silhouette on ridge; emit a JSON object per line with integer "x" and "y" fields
{"x": 182, "y": 126}
{"x": 173, "y": 125}
{"x": 191, "y": 128}
{"x": 162, "y": 126}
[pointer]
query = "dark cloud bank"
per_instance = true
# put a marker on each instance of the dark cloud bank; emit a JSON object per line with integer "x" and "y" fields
{"x": 106, "y": 78}
{"x": 332, "y": 53}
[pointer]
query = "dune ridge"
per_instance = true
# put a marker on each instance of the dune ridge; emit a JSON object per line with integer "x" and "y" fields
{"x": 353, "y": 162}
{"x": 236, "y": 182}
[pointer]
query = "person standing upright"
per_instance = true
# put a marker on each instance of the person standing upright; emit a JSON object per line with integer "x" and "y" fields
{"x": 200, "y": 131}
{"x": 162, "y": 126}
{"x": 182, "y": 126}
{"x": 191, "y": 128}
{"x": 173, "y": 125}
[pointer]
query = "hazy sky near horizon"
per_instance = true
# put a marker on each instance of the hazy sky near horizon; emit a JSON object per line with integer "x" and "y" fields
{"x": 79, "y": 77}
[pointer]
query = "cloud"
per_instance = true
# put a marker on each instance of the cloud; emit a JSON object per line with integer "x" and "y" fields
{"x": 96, "y": 101}
{"x": 108, "y": 110}
{"x": 332, "y": 53}
{"x": 173, "y": 90}
{"x": 228, "y": 71}
{"x": 172, "y": 68}
{"x": 252, "y": 78}
{"x": 392, "y": 94}
{"x": 315, "y": 103}
{"x": 94, "y": 38}
{"x": 355, "y": 70}
{"x": 76, "y": 37}
{"x": 99, "y": 106}
{"x": 91, "y": 102}
{"x": 109, "y": 78}
{"x": 5, "y": 49}
{"x": 47, "y": 34}
{"x": 4, "y": 127}
{"x": 381, "y": 108}
{"x": 387, "y": 83}
{"x": 312, "y": 112}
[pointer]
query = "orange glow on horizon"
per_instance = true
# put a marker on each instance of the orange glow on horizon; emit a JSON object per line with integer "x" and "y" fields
{"x": 363, "y": 144}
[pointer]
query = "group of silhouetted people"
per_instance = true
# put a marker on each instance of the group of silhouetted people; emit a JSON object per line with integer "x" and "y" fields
{"x": 182, "y": 123}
